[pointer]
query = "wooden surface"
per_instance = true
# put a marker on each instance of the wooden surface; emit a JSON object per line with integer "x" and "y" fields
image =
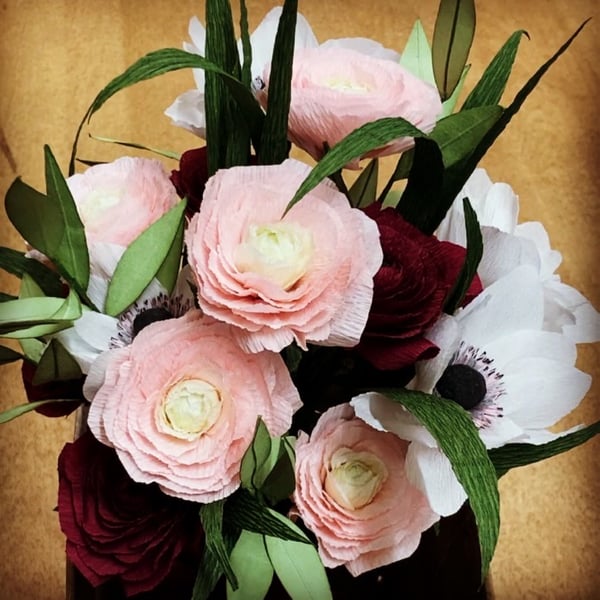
{"x": 56, "y": 54}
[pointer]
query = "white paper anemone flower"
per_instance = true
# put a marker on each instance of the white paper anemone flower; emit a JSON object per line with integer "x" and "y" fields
{"x": 515, "y": 379}
{"x": 95, "y": 333}
{"x": 188, "y": 109}
{"x": 508, "y": 244}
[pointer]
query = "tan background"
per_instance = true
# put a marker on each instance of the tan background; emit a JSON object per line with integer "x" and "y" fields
{"x": 56, "y": 54}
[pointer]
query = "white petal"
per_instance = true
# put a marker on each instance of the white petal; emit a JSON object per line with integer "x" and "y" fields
{"x": 540, "y": 392}
{"x": 188, "y": 112}
{"x": 97, "y": 329}
{"x": 430, "y": 471}
{"x": 543, "y": 436}
{"x": 262, "y": 39}
{"x": 501, "y": 431}
{"x": 197, "y": 34}
{"x": 536, "y": 233}
{"x": 529, "y": 344}
{"x": 364, "y": 46}
{"x": 446, "y": 335}
{"x": 504, "y": 252}
{"x": 83, "y": 353}
{"x": 95, "y": 378}
{"x": 385, "y": 415}
{"x": 512, "y": 303}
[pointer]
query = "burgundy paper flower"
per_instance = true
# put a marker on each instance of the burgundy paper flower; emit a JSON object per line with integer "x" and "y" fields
{"x": 116, "y": 527}
{"x": 71, "y": 389}
{"x": 191, "y": 178}
{"x": 411, "y": 287}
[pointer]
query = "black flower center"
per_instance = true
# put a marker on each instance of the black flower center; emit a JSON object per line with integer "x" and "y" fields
{"x": 462, "y": 384}
{"x": 150, "y": 315}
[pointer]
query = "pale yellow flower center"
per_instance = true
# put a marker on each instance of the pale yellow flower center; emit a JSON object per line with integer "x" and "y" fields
{"x": 347, "y": 86}
{"x": 280, "y": 252}
{"x": 354, "y": 478}
{"x": 191, "y": 407}
{"x": 96, "y": 203}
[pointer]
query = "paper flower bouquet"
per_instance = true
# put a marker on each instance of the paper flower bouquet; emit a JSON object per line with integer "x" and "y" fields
{"x": 296, "y": 377}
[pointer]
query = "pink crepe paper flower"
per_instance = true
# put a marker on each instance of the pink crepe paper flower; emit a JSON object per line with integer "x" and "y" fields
{"x": 180, "y": 405}
{"x": 119, "y": 200}
{"x": 336, "y": 90}
{"x": 307, "y": 276}
{"x": 353, "y": 494}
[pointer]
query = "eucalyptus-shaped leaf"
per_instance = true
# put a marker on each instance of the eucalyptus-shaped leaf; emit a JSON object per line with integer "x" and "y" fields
{"x": 274, "y": 147}
{"x": 416, "y": 56}
{"x": 299, "y": 568}
{"x": 364, "y": 190}
{"x": 360, "y": 141}
{"x": 71, "y": 254}
{"x": 472, "y": 259}
{"x": 18, "y": 264}
{"x": 519, "y": 455}
{"x": 8, "y": 355}
{"x": 419, "y": 202}
{"x": 252, "y": 567}
{"x": 169, "y": 270}
{"x": 164, "y": 61}
{"x": 457, "y": 175}
{"x": 260, "y": 458}
{"x": 245, "y": 511}
{"x": 29, "y": 288}
{"x": 457, "y": 437}
{"x": 211, "y": 517}
{"x": 452, "y": 39}
{"x": 17, "y": 411}
{"x": 19, "y": 316}
{"x": 281, "y": 481}
{"x": 142, "y": 260}
{"x": 56, "y": 364}
{"x": 492, "y": 84}
{"x": 32, "y": 349}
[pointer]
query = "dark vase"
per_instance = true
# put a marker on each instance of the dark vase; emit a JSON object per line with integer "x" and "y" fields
{"x": 445, "y": 566}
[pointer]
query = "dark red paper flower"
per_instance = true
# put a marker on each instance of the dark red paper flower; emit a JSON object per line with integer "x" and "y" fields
{"x": 190, "y": 179}
{"x": 410, "y": 289}
{"x": 71, "y": 390}
{"x": 116, "y": 527}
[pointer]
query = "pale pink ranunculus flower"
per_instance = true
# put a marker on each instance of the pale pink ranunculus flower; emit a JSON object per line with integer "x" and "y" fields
{"x": 336, "y": 90}
{"x": 180, "y": 405}
{"x": 353, "y": 494}
{"x": 305, "y": 277}
{"x": 117, "y": 201}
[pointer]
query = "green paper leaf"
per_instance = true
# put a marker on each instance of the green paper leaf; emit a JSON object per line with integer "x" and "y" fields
{"x": 29, "y": 288}
{"x": 163, "y": 61}
{"x": 6, "y": 297}
{"x": 416, "y": 56}
{"x": 418, "y": 203}
{"x": 71, "y": 253}
{"x": 458, "y": 438}
{"x": 18, "y": 264}
{"x": 260, "y": 458}
{"x": 364, "y": 190}
{"x": 492, "y": 84}
{"x": 244, "y": 511}
{"x": 299, "y": 568}
{"x": 456, "y": 176}
{"x": 163, "y": 153}
{"x": 472, "y": 259}
{"x": 32, "y": 349}
{"x": 281, "y": 481}
{"x": 17, "y": 411}
{"x": 169, "y": 270}
{"x": 519, "y": 455}
{"x": 16, "y": 315}
{"x": 252, "y": 567}
{"x": 8, "y": 355}
{"x": 274, "y": 146}
{"x": 246, "y": 46}
{"x": 56, "y": 364}
{"x": 142, "y": 260}
{"x": 360, "y": 141}
{"x": 458, "y": 134}
{"x": 449, "y": 104}
{"x": 452, "y": 39}
{"x": 211, "y": 516}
